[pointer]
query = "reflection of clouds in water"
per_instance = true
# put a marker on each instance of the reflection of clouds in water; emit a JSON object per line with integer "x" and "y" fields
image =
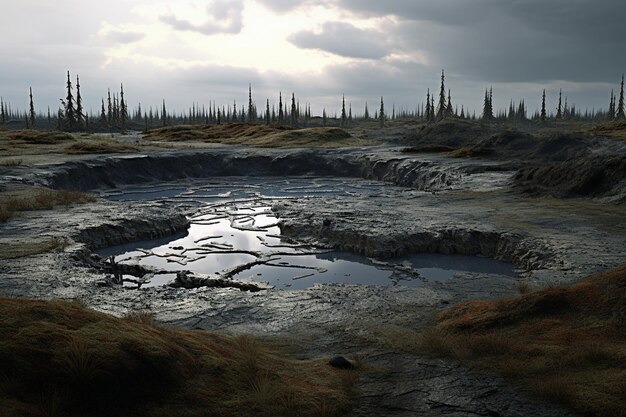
{"x": 227, "y": 199}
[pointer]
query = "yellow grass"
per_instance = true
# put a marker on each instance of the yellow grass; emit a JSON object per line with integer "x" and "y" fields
{"x": 33, "y": 198}
{"x": 20, "y": 249}
{"x": 98, "y": 146}
{"x": 57, "y": 358}
{"x": 257, "y": 135}
{"x": 565, "y": 344}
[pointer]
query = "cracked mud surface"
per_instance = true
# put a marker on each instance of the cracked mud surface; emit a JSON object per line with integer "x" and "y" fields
{"x": 550, "y": 241}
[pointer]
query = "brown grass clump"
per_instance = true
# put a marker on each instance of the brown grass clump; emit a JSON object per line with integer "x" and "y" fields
{"x": 32, "y": 198}
{"x": 36, "y": 136}
{"x": 57, "y": 358}
{"x": 257, "y": 135}
{"x": 97, "y": 147}
{"x": 21, "y": 249}
{"x": 566, "y": 344}
{"x": 614, "y": 129}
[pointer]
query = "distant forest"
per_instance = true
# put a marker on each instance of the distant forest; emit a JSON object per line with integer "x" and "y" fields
{"x": 115, "y": 115}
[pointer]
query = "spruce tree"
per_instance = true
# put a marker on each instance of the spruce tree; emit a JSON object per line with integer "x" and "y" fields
{"x": 70, "y": 112}
{"x": 366, "y": 115}
{"x": 109, "y": 108}
{"x": 344, "y": 117}
{"x": 559, "y": 113}
{"x": 462, "y": 116}
{"x": 611, "y": 111}
{"x": 3, "y": 114}
{"x": 543, "y": 107}
{"x": 487, "y": 107}
{"x": 123, "y": 108}
{"x": 324, "y": 117}
{"x": 164, "y": 114}
{"x": 49, "y": 119}
{"x": 281, "y": 115}
{"x": 31, "y": 117}
{"x": 381, "y": 114}
{"x": 350, "y": 114}
{"x": 251, "y": 112}
{"x": 294, "y": 110}
{"x": 620, "y": 106}
{"x": 267, "y": 112}
{"x": 441, "y": 110}
{"x": 428, "y": 109}
{"x": 449, "y": 112}
{"x": 80, "y": 117}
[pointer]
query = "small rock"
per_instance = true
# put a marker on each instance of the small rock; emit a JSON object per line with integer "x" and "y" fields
{"x": 340, "y": 362}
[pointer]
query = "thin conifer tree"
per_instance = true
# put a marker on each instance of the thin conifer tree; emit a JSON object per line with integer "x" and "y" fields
{"x": 441, "y": 110}
{"x": 543, "y": 107}
{"x": 449, "y": 111}
{"x": 344, "y": 117}
{"x": 80, "y": 117}
{"x": 620, "y": 105}
{"x": 70, "y": 112}
{"x": 251, "y": 115}
{"x": 31, "y": 116}
{"x": 268, "y": 119}
{"x": 281, "y": 114}
{"x": 559, "y": 111}
{"x": 294, "y": 110}
{"x": 381, "y": 114}
{"x": 3, "y": 114}
{"x": 123, "y": 108}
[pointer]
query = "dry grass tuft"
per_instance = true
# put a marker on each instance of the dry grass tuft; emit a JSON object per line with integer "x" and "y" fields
{"x": 22, "y": 249}
{"x": 11, "y": 162}
{"x": 566, "y": 344}
{"x": 32, "y": 198}
{"x": 98, "y": 146}
{"x": 257, "y": 135}
{"x": 615, "y": 129}
{"x": 57, "y": 358}
{"x": 36, "y": 136}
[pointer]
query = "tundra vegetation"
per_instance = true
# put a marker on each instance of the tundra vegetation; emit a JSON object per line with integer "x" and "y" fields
{"x": 59, "y": 358}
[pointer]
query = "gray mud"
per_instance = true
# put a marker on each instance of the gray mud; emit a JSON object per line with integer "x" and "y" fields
{"x": 453, "y": 206}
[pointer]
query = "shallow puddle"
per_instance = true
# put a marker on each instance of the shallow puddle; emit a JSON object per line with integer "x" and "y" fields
{"x": 234, "y": 234}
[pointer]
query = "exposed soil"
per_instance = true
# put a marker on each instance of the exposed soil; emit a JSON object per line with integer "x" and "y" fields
{"x": 450, "y": 205}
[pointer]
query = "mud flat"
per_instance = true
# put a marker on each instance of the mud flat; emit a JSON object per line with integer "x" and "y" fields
{"x": 447, "y": 206}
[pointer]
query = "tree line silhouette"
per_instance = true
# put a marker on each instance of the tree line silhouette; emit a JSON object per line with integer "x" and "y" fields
{"x": 115, "y": 115}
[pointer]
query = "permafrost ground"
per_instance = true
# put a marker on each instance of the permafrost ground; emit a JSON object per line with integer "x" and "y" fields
{"x": 448, "y": 207}
{"x": 234, "y": 234}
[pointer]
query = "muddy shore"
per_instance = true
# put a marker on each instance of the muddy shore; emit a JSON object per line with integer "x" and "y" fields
{"x": 449, "y": 206}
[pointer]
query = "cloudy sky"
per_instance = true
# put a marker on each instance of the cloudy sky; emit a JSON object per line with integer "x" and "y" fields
{"x": 203, "y": 50}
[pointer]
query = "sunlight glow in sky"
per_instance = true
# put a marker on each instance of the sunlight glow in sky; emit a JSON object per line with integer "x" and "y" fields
{"x": 209, "y": 50}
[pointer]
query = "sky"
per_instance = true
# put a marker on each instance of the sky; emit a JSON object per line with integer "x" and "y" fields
{"x": 200, "y": 51}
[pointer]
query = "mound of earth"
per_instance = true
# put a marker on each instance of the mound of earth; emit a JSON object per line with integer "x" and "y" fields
{"x": 59, "y": 359}
{"x": 589, "y": 176}
{"x": 257, "y": 135}
{"x": 464, "y": 138}
{"x": 566, "y": 344}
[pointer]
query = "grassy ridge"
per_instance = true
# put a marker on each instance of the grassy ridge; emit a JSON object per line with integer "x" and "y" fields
{"x": 34, "y": 198}
{"x": 257, "y": 135}
{"x": 59, "y": 359}
{"x": 565, "y": 344}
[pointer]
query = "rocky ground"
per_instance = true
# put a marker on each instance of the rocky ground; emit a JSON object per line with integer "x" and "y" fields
{"x": 452, "y": 206}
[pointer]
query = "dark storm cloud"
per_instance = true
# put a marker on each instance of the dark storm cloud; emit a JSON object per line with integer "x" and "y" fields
{"x": 345, "y": 40}
{"x": 224, "y": 16}
{"x": 511, "y": 41}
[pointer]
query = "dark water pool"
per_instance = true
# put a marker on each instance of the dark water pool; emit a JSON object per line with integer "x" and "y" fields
{"x": 234, "y": 234}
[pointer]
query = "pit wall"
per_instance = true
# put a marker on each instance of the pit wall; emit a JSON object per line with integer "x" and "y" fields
{"x": 114, "y": 171}
{"x": 502, "y": 246}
